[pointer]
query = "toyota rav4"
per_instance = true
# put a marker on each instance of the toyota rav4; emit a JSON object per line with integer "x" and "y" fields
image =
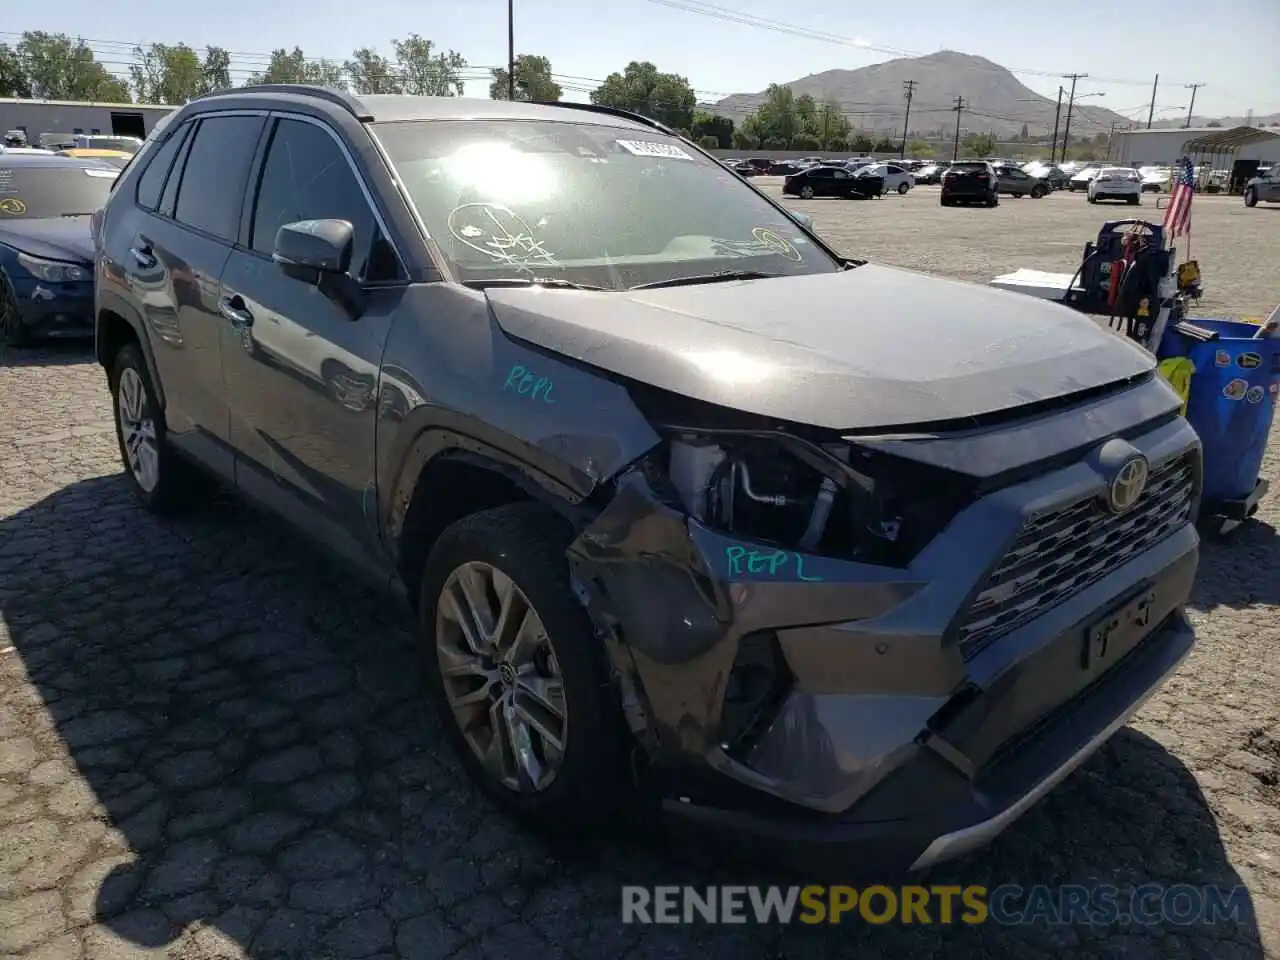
{"x": 823, "y": 554}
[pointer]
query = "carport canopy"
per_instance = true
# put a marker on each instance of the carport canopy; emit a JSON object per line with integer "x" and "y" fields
{"x": 1228, "y": 141}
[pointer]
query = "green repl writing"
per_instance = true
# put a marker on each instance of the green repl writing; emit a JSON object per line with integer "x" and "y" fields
{"x": 770, "y": 564}
{"x": 528, "y": 384}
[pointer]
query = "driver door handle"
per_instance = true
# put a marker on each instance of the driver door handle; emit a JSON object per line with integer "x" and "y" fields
{"x": 233, "y": 308}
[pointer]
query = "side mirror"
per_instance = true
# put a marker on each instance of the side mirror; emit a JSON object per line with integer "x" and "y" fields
{"x": 318, "y": 253}
{"x": 310, "y": 249}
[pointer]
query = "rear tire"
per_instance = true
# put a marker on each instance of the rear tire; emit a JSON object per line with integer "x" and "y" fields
{"x": 525, "y": 543}
{"x": 903, "y": 188}
{"x": 160, "y": 479}
{"x": 806, "y": 193}
{"x": 1038, "y": 193}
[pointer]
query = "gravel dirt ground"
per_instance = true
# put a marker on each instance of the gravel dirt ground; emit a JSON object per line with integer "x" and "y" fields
{"x": 213, "y": 745}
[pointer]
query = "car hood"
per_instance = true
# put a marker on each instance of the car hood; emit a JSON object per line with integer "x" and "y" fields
{"x": 866, "y": 348}
{"x": 60, "y": 238}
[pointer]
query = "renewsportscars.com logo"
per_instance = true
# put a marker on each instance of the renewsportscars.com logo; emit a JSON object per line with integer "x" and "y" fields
{"x": 1008, "y": 904}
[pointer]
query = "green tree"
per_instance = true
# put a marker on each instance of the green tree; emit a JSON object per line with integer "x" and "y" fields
{"x": 1025, "y": 135}
{"x": 885, "y": 145}
{"x": 743, "y": 140}
{"x": 919, "y": 149}
{"x": 215, "y": 70}
{"x": 709, "y": 142}
{"x": 713, "y": 125}
{"x": 324, "y": 73}
{"x": 837, "y": 145}
{"x": 978, "y": 145}
{"x": 860, "y": 143}
{"x": 163, "y": 73}
{"x": 805, "y": 141}
{"x": 59, "y": 68}
{"x": 284, "y": 67}
{"x": 427, "y": 73}
{"x": 370, "y": 72}
{"x": 533, "y": 80}
{"x": 777, "y": 117}
{"x": 642, "y": 88}
{"x": 13, "y": 74}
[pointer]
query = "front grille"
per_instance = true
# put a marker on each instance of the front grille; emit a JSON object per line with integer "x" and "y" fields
{"x": 1062, "y": 552}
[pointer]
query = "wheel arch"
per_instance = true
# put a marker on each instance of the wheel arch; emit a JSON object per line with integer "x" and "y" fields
{"x": 448, "y": 475}
{"x": 115, "y": 325}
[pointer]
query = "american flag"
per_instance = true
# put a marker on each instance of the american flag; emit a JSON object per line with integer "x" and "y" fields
{"x": 1177, "y": 216}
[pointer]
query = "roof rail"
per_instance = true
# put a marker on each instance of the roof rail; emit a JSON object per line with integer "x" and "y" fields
{"x": 337, "y": 97}
{"x": 609, "y": 111}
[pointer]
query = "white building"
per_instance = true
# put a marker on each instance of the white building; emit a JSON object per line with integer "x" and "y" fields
{"x": 71, "y": 117}
{"x": 1217, "y": 145}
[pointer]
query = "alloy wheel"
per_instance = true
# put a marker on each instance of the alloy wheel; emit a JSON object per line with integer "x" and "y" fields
{"x": 137, "y": 430}
{"x": 806, "y": 193}
{"x": 501, "y": 677}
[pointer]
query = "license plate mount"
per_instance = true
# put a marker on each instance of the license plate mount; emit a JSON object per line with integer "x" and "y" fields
{"x": 1118, "y": 629}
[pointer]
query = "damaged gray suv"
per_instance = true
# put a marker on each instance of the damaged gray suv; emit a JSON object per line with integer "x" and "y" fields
{"x": 838, "y": 559}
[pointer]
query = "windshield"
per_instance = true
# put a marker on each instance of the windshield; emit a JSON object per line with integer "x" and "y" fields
{"x": 587, "y": 203}
{"x": 53, "y": 191}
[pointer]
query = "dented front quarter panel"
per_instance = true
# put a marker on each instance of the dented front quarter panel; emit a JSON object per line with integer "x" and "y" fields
{"x": 451, "y": 380}
{"x": 672, "y": 600}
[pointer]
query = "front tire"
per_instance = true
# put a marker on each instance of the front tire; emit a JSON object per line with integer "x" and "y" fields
{"x": 806, "y": 193}
{"x": 159, "y": 478}
{"x": 516, "y": 671}
{"x": 1251, "y": 197}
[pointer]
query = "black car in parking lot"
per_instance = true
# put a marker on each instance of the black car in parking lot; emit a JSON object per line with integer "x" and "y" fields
{"x": 680, "y": 518}
{"x": 970, "y": 181}
{"x": 831, "y": 180}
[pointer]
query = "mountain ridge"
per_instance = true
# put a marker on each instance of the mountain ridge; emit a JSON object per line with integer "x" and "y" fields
{"x": 872, "y": 97}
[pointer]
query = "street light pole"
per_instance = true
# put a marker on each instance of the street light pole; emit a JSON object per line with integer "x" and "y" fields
{"x": 511, "y": 49}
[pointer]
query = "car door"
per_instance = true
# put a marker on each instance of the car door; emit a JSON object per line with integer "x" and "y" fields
{"x": 301, "y": 369}
{"x": 177, "y": 250}
{"x": 821, "y": 180}
{"x": 841, "y": 183}
{"x": 893, "y": 177}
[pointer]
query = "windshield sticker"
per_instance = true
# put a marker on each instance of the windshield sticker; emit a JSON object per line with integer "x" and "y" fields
{"x": 105, "y": 174}
{"x": 650, "y": 148}
{"x": 1236, "y": 389}
{"x": 1247, "y": 361}
{"x": 499, "y": 233}
{"x": 13, "y": 206}
{"x": 778, "y": 244}
{"x": 1254, "y": 395}
{"x": 1221, "y": 359}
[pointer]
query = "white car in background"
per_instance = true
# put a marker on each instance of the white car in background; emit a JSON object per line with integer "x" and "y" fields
{"x": 896, "y": 179}
{"x": 1157, "y": 180}
{"x": 1081, "y": 176}
{"x": 1116, "y": 183}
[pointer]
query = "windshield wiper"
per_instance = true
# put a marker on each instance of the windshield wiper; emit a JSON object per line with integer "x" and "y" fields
{"x": 555, "y": 282}
{"x": 721, "y": 277}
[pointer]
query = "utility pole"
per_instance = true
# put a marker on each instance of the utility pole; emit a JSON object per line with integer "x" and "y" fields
{"x": 1193, "y": 87}
{"x": 1152, "y": 112}
{"x": 1066, "y": 133}
{"x": 1057, "y": 114}
{"x": 511, "y": 49}
{"x": 955, "y": 147}
{"x": 910, "y": 87}
{"x": 1111, "y": 136}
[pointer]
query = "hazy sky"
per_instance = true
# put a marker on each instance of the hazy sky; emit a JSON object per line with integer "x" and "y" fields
{"x": 1230, "y": 46}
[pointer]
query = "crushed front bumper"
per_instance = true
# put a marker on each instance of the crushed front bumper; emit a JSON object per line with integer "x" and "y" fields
{"x": 55, "y": 309}
{"x": 893, "y": 740}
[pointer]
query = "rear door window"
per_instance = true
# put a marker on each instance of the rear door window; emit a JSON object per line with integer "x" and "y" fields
{"x": 211, "y": 193}
{"x": 151, "y": 183}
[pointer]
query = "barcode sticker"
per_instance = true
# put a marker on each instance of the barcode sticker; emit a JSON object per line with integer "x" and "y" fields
{"x": 651, "y": 148}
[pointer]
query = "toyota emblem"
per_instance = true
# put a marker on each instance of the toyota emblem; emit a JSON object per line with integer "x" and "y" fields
{"x": 1127, "y": 485}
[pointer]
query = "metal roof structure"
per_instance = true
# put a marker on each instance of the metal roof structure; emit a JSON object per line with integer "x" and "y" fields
{"x": 1228, "y": 140}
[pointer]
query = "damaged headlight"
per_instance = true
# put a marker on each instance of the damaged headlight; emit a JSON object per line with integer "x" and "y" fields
{"x": 823, "y": 498}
